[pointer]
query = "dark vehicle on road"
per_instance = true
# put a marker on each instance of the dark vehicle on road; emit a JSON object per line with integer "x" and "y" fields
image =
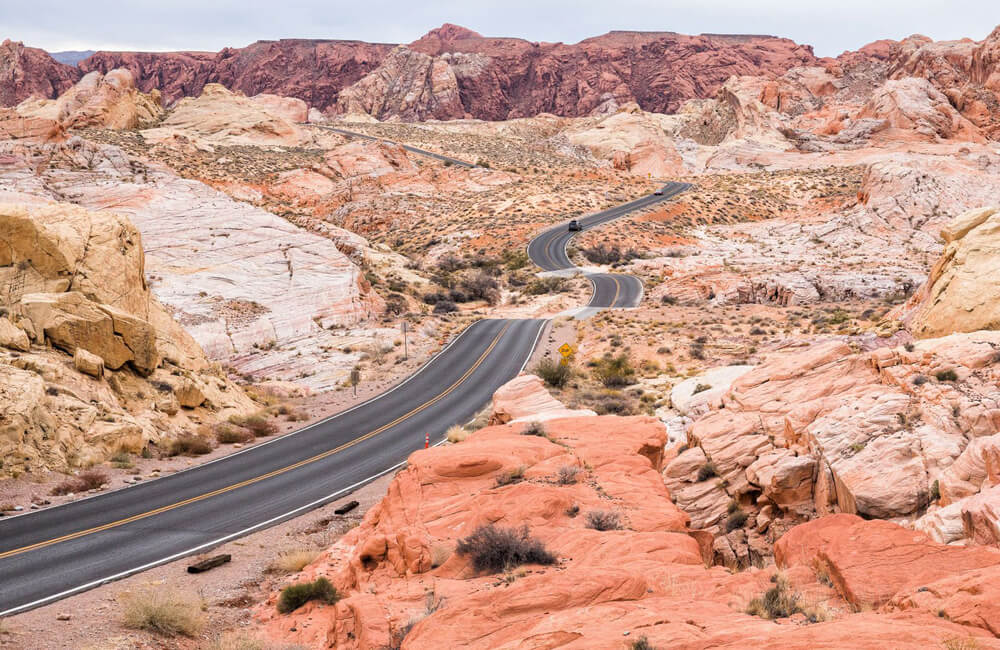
{"x": 574, "y": 226}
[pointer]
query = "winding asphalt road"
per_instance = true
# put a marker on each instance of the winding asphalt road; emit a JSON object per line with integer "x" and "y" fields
{"x": 611, "y": 290}
{"x": 56, "y": 552}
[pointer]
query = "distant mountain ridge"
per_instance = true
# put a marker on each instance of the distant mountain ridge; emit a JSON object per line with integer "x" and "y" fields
{"x": 71, "y": 57}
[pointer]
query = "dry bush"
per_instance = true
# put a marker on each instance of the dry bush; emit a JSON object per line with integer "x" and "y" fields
{"x": 258, "y": 424}
{"x": 226, "y": 433}
{"x": 293, "y": 561}
{"x": 90, "y": 479}
{"x": 777, "y": 602}
{"x": 510, "y": 477}
{"x": 456, "y": 434}
{"x": 163, "y": 611}
{"x": 604, "y": 520}
{"x": 495, "y": 549}
{"x": 533, "y": 429}
{"x": 190, "y": 445}
{"x": 553, "y": 373}
{"x": 567, "y": 474}
{"x": 243, "y": 641}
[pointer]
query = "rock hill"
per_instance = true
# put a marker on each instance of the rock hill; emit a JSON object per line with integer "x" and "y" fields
{"x": 91, "y": 363}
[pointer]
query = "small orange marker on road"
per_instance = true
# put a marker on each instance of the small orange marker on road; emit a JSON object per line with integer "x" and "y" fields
{"x": 427, "y": 440}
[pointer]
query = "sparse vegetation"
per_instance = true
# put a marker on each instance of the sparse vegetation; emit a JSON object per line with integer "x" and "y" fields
{"x": 614, "y": 371}
{"x": 568, "y": 474}
{"x": 707, "y": 471}
{"x": 456, "y": 434}
{"x": 189, "y": 445}
{"x": 777, "y": 602}
{"x": 163, "y": 611}
{"x": 294, "y": 596}
{"x": 533, "y": 429}
{"x": 86, "y": 480}
{"x": 494, "y": 549}
{"x": 604, "y": 520}
{"x": 701, "y": 388}
{"x": 553, "y": 373}
{"x": 510, "y": 477}
{"x": 642, "y": 643}
{"x": 946, "y": 375}
{"x": 258, "y": 424}
{"x": 735, "y": 520}
{"x": 293, "y": 561}
{"x": 226, "y": 433}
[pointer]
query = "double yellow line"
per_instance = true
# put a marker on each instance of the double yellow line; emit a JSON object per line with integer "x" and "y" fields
{"x": 235, "y": 486}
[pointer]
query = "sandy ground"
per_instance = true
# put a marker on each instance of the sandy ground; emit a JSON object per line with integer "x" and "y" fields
{"x": 92, "y": 620}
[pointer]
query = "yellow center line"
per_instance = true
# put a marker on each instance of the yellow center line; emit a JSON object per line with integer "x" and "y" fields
{"x": 263, "y": 477}
{"x": 618, "y": 288}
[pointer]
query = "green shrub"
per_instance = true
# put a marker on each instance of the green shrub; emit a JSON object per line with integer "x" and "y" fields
{"x": 642, "y": 643}
{"x": 946, "y": 375}
{"x": 553, "y": 373}
{"x": 257, "y": 424}
{"x": 735, "y": 520}
{"x": 701, "y": 388}
{"x": 614, "y": 371}
{"x": 495, "y": 549}
{"x": 295, "y": 596}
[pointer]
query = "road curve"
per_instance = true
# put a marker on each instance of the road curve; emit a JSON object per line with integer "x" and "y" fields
{"x": 611, "y": 290}
{"x": 411, "y": 149}
{"x": 59, "y": 551}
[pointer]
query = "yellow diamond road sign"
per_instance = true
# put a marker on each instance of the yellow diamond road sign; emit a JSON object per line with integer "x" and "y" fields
{"x": 565, "y": 349}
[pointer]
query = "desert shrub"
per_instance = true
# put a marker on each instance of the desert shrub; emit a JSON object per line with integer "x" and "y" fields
{"x": 515, "y": 259}
{"x": 510, "y": 477}
{"x": 642, "y": 643}
{"x": 226, "y": 433}
{"x": 567, "y": 474}
{"x": 614, "y": 371}
{"x": 163, "y": 611}
{"x": 90, "y": 479}
{"x": 292, "y": 561}
{"x": 667, "y": 299}
{"x": 257, "y": 424}
{"x": 122, "y": 460}
{"x": 707, "y": 471}
{"x": 946, "y": 375}
{"x": 495, "y": 549}
{"x": 189, "y": 445}
{"x": 701, "y": 388}
{"x": 736, "y": 519}
{"x": 242, "y": 641}
{"x": 601, "y": 254}
{"x": 611, "y": 402}
{"x": 294, "y": 596}
{"x": 482, "y": 286}
{"x": 573, "y": 510}
{"x": 777, "y": 602}
{"x": 52, "y": 391}
{"x": 604, "y": 520}
{"x": 553, "y": 373}
{"x": 445, "y": 307}
{"x": 456, "y": 434}
{"x": 539, "y": 286}
{"x": 920, "y": 380}
{"x": 533, "y": 429}
{"x": 433, "y": 297}
{"x": 395, "y": 303}
{"x": 935, "y": 490}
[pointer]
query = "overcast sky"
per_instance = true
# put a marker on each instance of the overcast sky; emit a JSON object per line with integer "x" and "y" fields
{"x": 830, "y": 26}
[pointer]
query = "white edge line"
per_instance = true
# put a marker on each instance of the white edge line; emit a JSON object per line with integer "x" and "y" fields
{"x": 263, "y": 524}
{"x": 328, "y": 418}
{"x": 195, "y": 549}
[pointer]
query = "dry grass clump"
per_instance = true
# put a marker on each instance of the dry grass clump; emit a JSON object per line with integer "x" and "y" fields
{"x": 777, "y": 602}
{"x": 510, "y": 477}
{"x": 456, "y": 434}
{"x": 163, "y": 611}
{"x": 258, "y": 424}
{"x": 90, "y": 479}
{"x": 294, "y": 596}
{"x": 568, "y": 474}
{"x": 293, "y": 561}
{"x": 190, "y": 445}
{"x": 227, "y": 434}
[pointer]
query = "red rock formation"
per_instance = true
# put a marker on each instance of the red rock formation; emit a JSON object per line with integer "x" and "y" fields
{"x": 27, "y": 71}
{"x": 312, "y": 70}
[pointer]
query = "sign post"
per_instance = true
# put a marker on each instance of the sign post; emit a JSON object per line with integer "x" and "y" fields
{"x": 406, "y": 354}
{"x": 355, "y": 379}
{"x": 566, "y": 350}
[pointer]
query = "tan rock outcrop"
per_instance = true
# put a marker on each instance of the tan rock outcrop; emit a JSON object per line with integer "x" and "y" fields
{"x": 961, "y": 292}
{"x": 914, "y": 106}
{"x": 88, "y": 364}
{"x": 14, "y": 126}
{"x": 75, "y": 279}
